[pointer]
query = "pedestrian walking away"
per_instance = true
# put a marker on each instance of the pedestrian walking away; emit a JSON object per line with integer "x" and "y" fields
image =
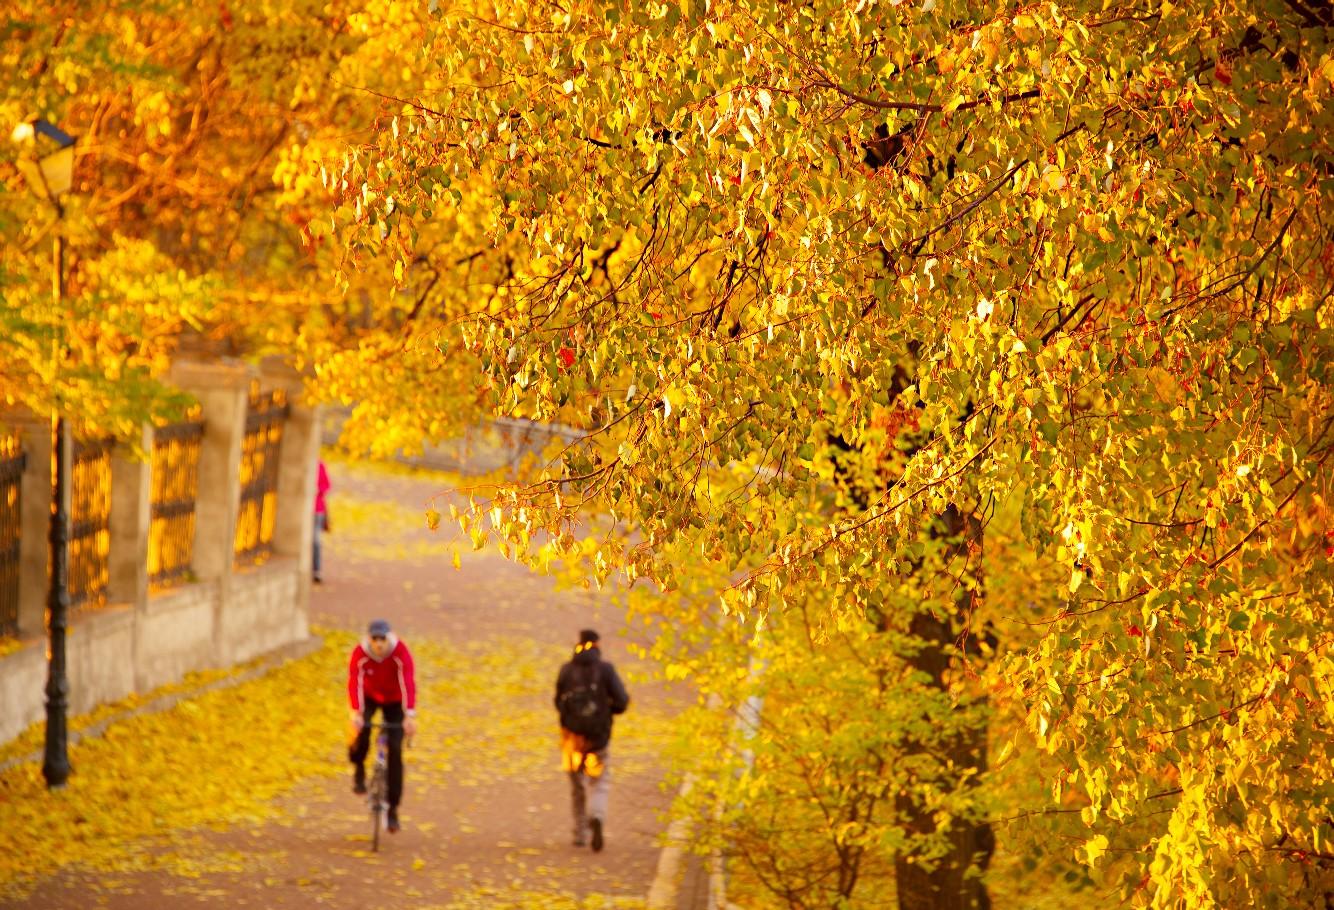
{"x": 380, "y": 677}
{"x": 322, "y": 486}
{"x": 588, "y": 695}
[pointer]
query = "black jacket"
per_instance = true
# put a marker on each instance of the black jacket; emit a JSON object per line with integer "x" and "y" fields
{"x": 574, "y": 671}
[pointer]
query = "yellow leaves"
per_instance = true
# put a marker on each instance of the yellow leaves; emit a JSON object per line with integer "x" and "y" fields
{"x": 1093, "y": 849}
{"x": 673, "y": 398}
{"x": 154, "y": 112}
{"x": 677, "y": 671}
{"x": 764, "y": 99}
{"x": 93, "y": 821}
{"x": 1095, "y": 223}
{"x": 140, "y": 796}
{"x": 1073, "y": 457}
{"x": 1076, "y": 580}
{"x": 479, "y": 537}
{"x": 1053, "y": 179}
{"x": 1022, "y": 24}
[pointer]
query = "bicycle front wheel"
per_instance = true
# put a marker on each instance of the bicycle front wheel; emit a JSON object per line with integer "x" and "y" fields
{"x": 379, "y": 800}
{"x": 376, "y": 812}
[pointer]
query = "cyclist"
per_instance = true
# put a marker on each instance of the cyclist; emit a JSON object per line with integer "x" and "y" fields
{"x": 380, "y": 678}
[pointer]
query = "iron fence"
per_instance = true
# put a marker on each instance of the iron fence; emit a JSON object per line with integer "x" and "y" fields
{"x": 265, "y": 420}
{"x": 90, "y": 522}
{"x": 11, "y": 521}
{"x": 173, "y": 498}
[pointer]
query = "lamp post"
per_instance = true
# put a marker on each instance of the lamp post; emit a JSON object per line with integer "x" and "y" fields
{"x": 50, "y": 173}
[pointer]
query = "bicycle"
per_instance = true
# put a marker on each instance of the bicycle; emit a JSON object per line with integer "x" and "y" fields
{"x": 378, "y": 789}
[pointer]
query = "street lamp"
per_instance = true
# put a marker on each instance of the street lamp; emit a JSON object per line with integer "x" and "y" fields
{"x": 51, "y": 173}
{"x": 49, "y": 168}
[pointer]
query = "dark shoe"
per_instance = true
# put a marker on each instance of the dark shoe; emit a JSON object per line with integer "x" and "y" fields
{"x": 318, "y": 580}
{"x": 359, "y": 780}
{"x": 596, "y": 825}
{"x": 393, "y": 820}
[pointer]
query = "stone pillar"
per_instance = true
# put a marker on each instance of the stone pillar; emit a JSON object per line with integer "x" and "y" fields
{"x": 222, "y": 389}
{"x": 35, "y": 492}
{"x": 297, "y": 472}
{"x": 131, "y": 519}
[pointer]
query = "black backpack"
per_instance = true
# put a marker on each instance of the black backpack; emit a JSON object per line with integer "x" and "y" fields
{"x": 585, "y": 707}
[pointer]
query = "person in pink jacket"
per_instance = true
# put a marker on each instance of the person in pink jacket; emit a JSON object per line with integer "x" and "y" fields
{"x": 321, "y": 520}
{"x": 380, "y": 677}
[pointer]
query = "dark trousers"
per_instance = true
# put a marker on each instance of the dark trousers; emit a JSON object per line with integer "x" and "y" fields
{"x": 391, "y": 713}
{"x": 321, "y": 523}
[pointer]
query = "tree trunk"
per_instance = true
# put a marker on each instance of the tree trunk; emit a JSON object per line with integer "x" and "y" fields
{"x": 947, "y": 886}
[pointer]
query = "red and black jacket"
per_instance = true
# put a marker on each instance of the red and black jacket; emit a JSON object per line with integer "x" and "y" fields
{"x": 390, "y": 680}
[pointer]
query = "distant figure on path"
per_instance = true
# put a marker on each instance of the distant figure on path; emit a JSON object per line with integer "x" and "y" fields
{"x": 588, "y": 693}
{"x": 380, "y": 677}
{"x": 321, "y": 520}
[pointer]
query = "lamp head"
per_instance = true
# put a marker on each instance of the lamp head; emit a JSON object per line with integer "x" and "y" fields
{"x": 50, "y": 169}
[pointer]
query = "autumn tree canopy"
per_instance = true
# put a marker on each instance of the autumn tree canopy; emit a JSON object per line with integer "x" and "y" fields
{"x": 1007, "y": 321}
{"x": 174, "y": 142}
{"x": 189, "y": 213}
{"x": 814, "y": 275}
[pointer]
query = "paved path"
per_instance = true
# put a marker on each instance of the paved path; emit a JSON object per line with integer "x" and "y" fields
{"x": 485, "y": 814}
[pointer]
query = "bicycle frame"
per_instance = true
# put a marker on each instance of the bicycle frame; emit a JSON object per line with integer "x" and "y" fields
{"x": 377, "y": 791}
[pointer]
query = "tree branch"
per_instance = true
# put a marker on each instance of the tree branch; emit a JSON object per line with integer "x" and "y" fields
{"x": 918, "y": 106}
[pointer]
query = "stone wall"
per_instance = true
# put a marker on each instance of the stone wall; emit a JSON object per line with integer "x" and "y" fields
{"x": 142, "y": 638}
{"x": 116, "y": 651}
{"x": 22, "y": 678}
{"x": 175, "y": 635}
{"x": 258, "y": 619}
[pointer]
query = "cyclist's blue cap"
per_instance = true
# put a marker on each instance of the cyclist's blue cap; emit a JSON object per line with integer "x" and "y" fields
{"x": 378, "y": 627}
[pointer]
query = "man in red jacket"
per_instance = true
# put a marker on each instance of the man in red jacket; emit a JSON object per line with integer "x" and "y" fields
{"x": 380, "y": 677}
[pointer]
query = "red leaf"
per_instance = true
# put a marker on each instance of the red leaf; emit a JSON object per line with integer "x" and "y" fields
{"x": 566, "y": 356}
